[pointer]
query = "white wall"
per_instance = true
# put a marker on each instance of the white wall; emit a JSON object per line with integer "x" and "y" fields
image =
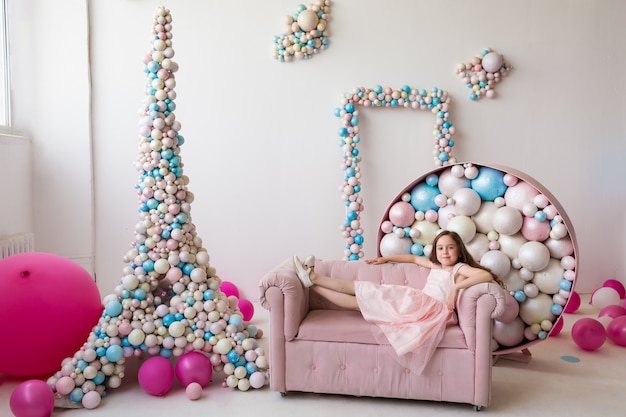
{"x": 261, "y": 143}
{"x": 16, "y": 166}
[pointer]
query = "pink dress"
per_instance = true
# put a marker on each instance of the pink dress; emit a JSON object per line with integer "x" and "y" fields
{"x": 412, "y": 320}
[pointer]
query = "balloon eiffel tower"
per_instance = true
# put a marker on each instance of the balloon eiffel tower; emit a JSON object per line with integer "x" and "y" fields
{"x": 168, "y": 301}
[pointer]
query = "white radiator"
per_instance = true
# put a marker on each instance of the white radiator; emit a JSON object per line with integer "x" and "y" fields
{"x": 17, "y": 243}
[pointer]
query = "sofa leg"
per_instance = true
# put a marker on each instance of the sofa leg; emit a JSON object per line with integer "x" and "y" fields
{"x": 477, "y": 408}
{"x": 283, "y": 394}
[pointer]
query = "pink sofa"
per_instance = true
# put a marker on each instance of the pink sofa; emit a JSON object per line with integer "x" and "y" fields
{"x": 317, "y": 347}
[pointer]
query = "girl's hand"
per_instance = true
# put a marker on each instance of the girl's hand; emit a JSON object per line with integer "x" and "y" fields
{"x": 376, "y": 261}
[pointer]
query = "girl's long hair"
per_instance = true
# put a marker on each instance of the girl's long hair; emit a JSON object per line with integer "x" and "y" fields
{"x": 464, "y": 255}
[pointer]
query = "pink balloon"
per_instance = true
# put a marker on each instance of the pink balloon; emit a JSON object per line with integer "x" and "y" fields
{"x": 32, "y": 398}
{"x": 617, "y": 286}
{"x": 573, "y": 303}
{"x": 612, "y": 311}
{"x": 533, "y": 229}
{"x": 194, "y": 367}
{"x": 38, "y": 288}
{"x": 156, "y": 376}
{"x": 194, "y": 391}
{"x": 229, "y": 289}
{"x": 616, "y": 331}
{"x": 247, "y": 309}
{"x": 402, "y": 214}
{"x": 589, "y": 334}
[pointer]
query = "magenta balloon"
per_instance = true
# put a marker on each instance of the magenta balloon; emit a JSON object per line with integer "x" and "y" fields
{"x": 589, "y": 334}
{"x": 573, "y": 303}
{"x": 558, "y": 326}
{"x": 612, "y": 311}
{"x": 247, "y": 309}
{"x": 194, "y": 367}
{"x": 616, "y": 331}
{"x": 32, "y": 398}
{"x": 156, "y": 376}
{"x": 38, "y": 288}
{"x": 229, "y": 289}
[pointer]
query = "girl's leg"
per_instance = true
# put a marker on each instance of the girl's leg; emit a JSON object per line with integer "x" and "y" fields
{"x": 340, "y": 299}
{"x": 338, "y": 285}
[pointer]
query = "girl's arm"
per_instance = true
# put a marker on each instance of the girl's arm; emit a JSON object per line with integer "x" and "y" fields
{"x": 466, "y": 277}
{"x": 419, "y": 260}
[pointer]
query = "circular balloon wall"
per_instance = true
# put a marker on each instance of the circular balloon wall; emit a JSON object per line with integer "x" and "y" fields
{"x": 510, "y": 224}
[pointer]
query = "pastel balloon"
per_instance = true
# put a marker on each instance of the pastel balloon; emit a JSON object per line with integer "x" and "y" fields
{"x": 589, "y": 334}
{"x": 511, "y": 310}
{"x": 427, "y": 232}
{"x": 497, "y": 262}
{"x": 450, "y": 183}
{"x": 391, "y": 244}
{"x": 423, "y": 197}
{"x": 532, "y": 229}
{"x": 402, "y": 214}
{"x": 444, "y": 216}
{"x": 511, "y": 244}
{"x": 478, "y": 246}
{"x": 492, "y": 62}
{"x": 156, "y": 376}
{"x": 617, "y": 286}
{"x": 193, "y": 391}
{"x": 509, "y": 334}
{"x": 466, "y": 201}
{"x": 483, "y": 218}
{"x": 604, "y": 296}
{"x": 464, "y": 226}
{"x": 507, "y": 220}
{"x": 35, "y": 285}
{"x": 32, "y": 398}
{"x": 533, "y": 256}
{"x": 560, "y": 248}
{"x": 512, "y": 281}
{"x": 548, "y": 279}
{"x": 537, "y": 309}
{"x": 489, "y": 183}
{"x": 519, "y": 195}
{"x": 616, "y": 331}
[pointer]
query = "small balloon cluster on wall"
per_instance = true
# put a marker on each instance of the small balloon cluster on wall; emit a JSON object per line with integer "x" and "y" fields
{"x": 590, "y": 333}
{"x": 482, "y": 73}
{"x": 169, "y": 301}
{"x": 508, "y": 225}
{"x": 436, "y": 101}
{"x": 305, "y": 34}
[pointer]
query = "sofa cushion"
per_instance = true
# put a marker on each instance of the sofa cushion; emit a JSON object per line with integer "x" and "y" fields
{"x": 349, "y": 326}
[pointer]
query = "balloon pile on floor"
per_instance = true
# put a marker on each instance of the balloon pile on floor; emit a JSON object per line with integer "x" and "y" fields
{"x": 168, "y": 303}
{"x": 305, "y": 32}
{"x": 507, "y": 224}
{"x": 589, "y": 333}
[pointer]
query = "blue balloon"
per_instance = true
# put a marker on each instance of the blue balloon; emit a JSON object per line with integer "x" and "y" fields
{"x": 556, "y": 309}
{"x": 113, "y": 308}
{"x": 423, "y": 197}
{"x": 489, "y": 183}
{"x": 114, "y": 353}
{"x": 520, "y": 296}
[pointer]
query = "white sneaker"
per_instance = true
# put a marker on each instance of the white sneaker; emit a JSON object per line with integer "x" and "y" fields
{"x": 302, "y": 272}
{"x": 309, "y": 261}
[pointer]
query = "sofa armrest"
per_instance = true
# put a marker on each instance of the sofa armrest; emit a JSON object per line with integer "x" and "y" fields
{"x": 281, "y": 292}
{"x": 476, "y": 307}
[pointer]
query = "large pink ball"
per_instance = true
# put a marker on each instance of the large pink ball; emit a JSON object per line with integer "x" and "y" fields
{"x": 617, "y": 286}
{"x": 573, "y": 303}
{"x": 533, "y": 229}
{"x": 32, "y": 398}
{"x": 156, "y": 376}
{"x": 558, "y": 326}
{"x": 589, "y": 334}
{"x": 229, "y": 289}
{"x": 194, "y": 367}
{"x": 402, "y": 214}
{"x": 612, "y": 311}
{"x": 247, "y": 309}
{"x": 37, "y": 289}
{"x": 616, "y": 331}
{"x": 492, "y": 62}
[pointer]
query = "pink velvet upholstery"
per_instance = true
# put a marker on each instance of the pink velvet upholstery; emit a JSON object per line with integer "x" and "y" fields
{"x": 316, "y": 346}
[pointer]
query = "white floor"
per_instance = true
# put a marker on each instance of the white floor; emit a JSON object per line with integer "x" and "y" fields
{"x": 546, "y": 386}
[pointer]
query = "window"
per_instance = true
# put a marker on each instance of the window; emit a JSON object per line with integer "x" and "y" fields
{"x": 5, "y": 98}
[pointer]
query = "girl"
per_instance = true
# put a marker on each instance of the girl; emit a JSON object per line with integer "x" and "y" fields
{"x": 412, "y": 320}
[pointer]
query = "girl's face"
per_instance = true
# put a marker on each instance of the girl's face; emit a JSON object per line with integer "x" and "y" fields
{"x": 447, "y": 251}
